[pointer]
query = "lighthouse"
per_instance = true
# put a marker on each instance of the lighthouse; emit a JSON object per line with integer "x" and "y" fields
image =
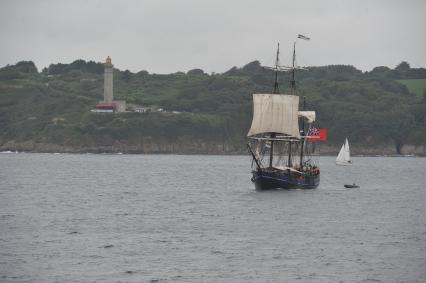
{"x": 108, "y": 86}
{"x": 109, "y": 104}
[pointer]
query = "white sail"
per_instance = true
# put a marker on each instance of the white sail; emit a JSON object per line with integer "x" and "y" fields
{"x": 344, "y": 156}
{"x": 275, "y": 113}
{"x": 309, "y": 116}
{"x": 347, "y": 152}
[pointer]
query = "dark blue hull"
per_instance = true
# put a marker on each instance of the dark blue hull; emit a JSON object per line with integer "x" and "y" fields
{"x": 268, "y": 180}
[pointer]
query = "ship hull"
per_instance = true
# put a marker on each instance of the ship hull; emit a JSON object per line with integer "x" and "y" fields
{"x": 264, "y": 180}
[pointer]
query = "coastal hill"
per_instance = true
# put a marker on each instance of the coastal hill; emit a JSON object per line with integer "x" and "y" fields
{"x": 382, "y": 111}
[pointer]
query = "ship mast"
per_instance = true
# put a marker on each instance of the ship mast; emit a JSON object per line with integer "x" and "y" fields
{"x": 276, "y": 90}
{"x": 293, "y": 92}
{"x": 277, "y": 61}
{"x": 293, "y": 71}
{"x": 302, "y": 142}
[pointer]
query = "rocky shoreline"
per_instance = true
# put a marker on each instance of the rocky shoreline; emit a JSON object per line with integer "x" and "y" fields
{"x": 191, "y": 148}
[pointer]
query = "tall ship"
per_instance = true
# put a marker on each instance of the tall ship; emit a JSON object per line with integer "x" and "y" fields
{"x": 282, "y": 138}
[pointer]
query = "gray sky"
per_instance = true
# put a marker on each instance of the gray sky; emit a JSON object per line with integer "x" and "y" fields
{"x": 165, "y": 36}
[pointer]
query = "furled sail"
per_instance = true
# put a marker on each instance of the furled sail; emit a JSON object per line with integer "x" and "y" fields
{"x": 275, "y": 113}
{"x": 309, "y": 116}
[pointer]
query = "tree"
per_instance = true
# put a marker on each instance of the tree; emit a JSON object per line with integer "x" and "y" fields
{"x": 195, "y": 72}
{"x": 403, "y": 66}
{"x": 126, "y": 76}
{"x": 396, "y": 124}
{"x": 26, "y": 67}
{"x": 252, "y": 67}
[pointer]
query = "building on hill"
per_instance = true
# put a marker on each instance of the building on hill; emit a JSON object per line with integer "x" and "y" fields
{"x": 109, "y": 104}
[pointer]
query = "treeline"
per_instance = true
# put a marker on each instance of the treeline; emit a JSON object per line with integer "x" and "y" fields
{"x": 53, "y": 106}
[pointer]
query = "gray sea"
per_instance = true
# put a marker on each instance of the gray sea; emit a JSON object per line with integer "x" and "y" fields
{"x": 178, "y": 218}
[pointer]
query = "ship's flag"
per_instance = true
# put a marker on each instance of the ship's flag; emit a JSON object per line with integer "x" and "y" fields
{"x": 313, "y": 132}
{"x": 302, "y": 37}
{"x": 316, "y": 135}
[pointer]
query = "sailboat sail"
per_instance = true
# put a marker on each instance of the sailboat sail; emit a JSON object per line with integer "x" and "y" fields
{"x": 347, "y": 152}
{"x": 275, "y": 113}
{"x": 344, "y": 156}
{"x": 309, "y": 116}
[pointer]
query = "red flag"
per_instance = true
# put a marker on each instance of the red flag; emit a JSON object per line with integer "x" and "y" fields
{"x": 320, "y": 135}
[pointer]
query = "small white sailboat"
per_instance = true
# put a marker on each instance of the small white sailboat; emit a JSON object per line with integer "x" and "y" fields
{"x": 344, "y": 157}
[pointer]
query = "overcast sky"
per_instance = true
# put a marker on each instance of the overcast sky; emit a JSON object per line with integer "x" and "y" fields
{"x": 166, "y": 36}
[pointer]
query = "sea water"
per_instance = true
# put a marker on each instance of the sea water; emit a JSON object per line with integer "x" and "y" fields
{"x": 180, "y": 218}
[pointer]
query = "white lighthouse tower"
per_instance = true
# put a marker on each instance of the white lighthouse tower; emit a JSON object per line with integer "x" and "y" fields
{"x": 108, "y": 86}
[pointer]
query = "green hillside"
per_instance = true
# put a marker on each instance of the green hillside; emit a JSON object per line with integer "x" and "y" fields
{"x": 417, "y": 86}
{"x": 50, "y": 110}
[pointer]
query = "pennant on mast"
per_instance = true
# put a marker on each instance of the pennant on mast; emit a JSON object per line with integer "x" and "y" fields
{"x": 301, "y": 36}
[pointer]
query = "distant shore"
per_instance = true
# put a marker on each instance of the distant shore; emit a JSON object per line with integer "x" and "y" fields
{"x": 194, "y": 148}
{"x": 211, "y": 154}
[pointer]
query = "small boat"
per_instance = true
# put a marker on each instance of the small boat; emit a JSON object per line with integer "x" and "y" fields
{"x": 351, "y": 186}
{"x": 344, "y": 157}
{"x": 281, "y": 139}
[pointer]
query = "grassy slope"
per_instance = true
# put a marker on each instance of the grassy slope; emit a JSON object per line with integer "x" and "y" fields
{"x": 417, "y": 86}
